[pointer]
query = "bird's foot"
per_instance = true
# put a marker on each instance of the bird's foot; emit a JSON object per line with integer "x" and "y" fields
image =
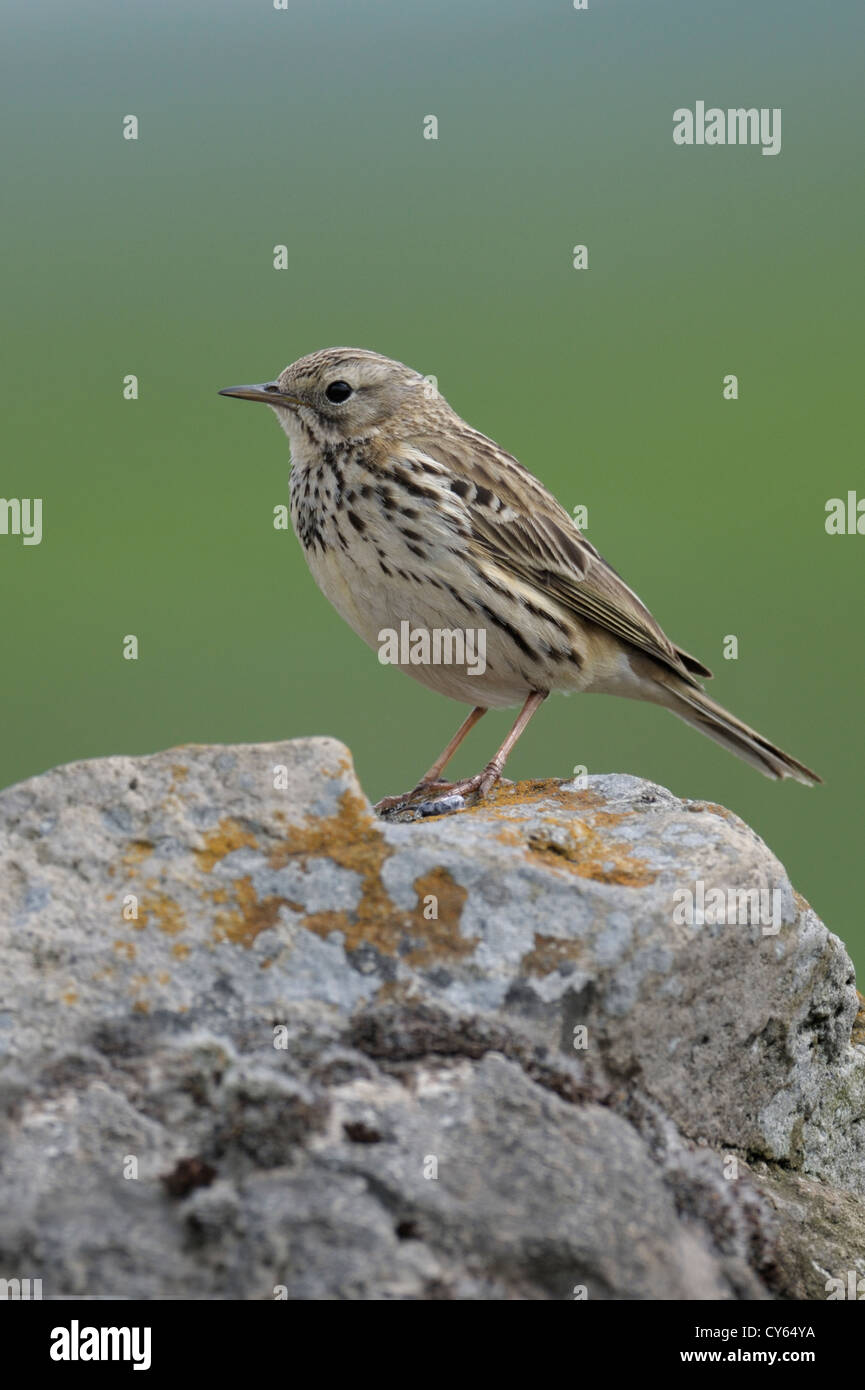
{"x": 439, "y": 798}
{"x": 393, "y": 803}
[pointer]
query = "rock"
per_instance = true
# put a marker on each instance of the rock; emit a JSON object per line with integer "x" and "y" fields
{"x": 253, "y": 1038}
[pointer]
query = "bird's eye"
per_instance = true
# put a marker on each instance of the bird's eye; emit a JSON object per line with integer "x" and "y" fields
{"x": 338, "y": 391}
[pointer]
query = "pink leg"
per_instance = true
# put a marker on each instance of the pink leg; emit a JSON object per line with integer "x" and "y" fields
{"x": 430, "y": 778}
{"x": 479, "y": 785}
{"x": 444, "y": 758}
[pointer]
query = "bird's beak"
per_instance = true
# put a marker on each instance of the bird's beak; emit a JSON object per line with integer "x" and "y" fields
{"x": 267, "y": 391}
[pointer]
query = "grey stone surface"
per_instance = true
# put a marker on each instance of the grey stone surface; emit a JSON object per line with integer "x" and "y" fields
{"x": 253, "y": 1038}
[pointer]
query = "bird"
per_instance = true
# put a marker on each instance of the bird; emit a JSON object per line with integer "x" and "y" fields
{"x": 406, "y": 514}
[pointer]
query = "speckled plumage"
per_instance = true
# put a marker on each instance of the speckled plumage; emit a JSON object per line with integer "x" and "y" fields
{"x": 405, "y": 512}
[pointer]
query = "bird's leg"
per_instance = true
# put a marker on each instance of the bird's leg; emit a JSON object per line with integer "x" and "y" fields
{"x": 444, "y": 758}
{"x": 477, "y": 786}
{"x": 431, "y": 777}
{"x": 486, "y": 780}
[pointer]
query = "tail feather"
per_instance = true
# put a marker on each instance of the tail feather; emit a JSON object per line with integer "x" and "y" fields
{"x": 693, "y": 665}
{"x": 697, "y": 709}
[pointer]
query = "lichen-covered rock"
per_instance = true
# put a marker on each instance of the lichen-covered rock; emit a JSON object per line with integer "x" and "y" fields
{"x": 252, "y": 1037}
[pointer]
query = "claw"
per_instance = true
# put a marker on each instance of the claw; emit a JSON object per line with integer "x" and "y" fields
{"x": 390, "y": 803}
{"x": 448, "y": 796}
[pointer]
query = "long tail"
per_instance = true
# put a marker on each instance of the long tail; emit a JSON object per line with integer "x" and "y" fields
{"x": 696, "y": 708}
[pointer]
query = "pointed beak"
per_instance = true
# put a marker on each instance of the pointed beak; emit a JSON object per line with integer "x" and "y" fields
{"x": 267, "y": 391}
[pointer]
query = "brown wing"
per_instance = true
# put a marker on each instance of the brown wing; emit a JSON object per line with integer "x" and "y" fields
{"x": 521, "y": 526}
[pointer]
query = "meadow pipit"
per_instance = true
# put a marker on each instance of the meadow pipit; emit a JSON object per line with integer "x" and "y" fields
{"x": 408, "y": 515}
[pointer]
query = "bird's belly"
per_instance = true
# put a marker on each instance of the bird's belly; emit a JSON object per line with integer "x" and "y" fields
{"x": 354, "y": 593}
{"x": 414, "y": 622}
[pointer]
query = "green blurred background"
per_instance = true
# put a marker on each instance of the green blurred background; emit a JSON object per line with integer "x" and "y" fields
{"x": 304, "y": 127}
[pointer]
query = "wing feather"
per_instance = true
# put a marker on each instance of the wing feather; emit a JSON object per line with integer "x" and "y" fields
{"x": 517, "y": 523}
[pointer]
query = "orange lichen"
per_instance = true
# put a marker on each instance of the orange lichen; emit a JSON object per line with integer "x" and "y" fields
{"x": 578, "y": 844}
{"x": 533, "y": 793}
{"x": 524, "y": 793}
{"x": 610, "y": 818}
{"x": 584, "y": 851}
{"x": 441, "y": 935}
{"x": 228, "y": 836}
{"x": 323, "y": 923}
{"x": 548, "y": 953}
{"x": 251, "y": 914}
{"x": 135, "y": 852}
{"x": 165, "y": 911}
{"x": 353, "y": 839}
{"x": 511, "y": 835}
{"x": 572, "y": 836}
{"x": 696, "y": 806}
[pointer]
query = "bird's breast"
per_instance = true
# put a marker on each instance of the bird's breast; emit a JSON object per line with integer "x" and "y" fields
{"x": 393, "y": 553}
{"x": 381, "y": 551}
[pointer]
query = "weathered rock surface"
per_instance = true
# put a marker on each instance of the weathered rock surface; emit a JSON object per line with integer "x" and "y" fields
{"x": 252, "y": 1037}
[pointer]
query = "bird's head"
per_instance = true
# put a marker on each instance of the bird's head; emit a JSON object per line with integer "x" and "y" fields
{"x": 341, "y": 394}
